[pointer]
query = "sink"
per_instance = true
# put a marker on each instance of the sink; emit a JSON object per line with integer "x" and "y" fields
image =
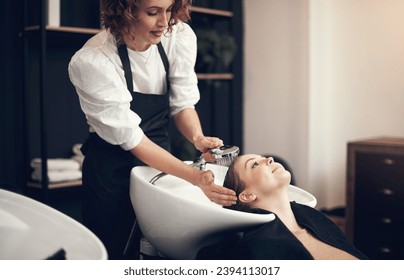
{"x": 30, "y": 230}
{"x": 178, "y": 219}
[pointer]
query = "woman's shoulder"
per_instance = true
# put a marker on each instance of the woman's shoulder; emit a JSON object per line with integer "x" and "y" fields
{"x": 271, "y": 240}
{"x": 102, "y": 42}
{"x": 182, "y": 35}
{"x": 96, "y": 61}
{"x": 97, "y": 49}
{"x": 313, "y": 218}
{"x": 182, "y": 30}
{"x": 104, "y": 38}
{"x": 302, "y": 211}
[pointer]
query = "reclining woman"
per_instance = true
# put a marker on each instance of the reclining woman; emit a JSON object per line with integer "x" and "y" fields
{"x": 298, "y": 231}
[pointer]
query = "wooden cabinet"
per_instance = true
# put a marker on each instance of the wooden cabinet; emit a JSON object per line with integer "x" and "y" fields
{"x": 375, "y": 197}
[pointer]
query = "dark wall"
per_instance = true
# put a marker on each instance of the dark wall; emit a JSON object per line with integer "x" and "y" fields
{"x": 11, "y": 100}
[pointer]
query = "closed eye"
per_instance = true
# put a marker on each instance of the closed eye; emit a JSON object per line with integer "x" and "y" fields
{"x": 152, "y": 13}
{"x": 255, "y": 164}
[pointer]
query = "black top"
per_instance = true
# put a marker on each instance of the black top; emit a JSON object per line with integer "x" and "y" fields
{"x": 274, "y": 241}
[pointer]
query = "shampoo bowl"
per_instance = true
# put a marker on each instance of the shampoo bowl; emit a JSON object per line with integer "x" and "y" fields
{"x": 30, "y": 230}
{"x": 178, "y": 219}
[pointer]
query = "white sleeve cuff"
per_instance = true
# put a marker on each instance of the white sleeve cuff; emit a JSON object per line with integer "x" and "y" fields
{"x": 134, "y": 141}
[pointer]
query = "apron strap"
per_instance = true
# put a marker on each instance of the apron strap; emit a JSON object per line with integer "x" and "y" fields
{"x": 165, "y": 62}
{"x": 123, "y": 54}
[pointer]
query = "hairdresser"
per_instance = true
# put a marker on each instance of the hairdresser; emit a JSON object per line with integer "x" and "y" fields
{"x": 130, "y": 79}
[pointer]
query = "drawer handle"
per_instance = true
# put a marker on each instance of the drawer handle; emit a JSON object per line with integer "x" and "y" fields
{"x": 388, "y": 161}
{"x": 386, "y": 191}
{"x": 385, "y": 250}
{"x": 386, "y": 221}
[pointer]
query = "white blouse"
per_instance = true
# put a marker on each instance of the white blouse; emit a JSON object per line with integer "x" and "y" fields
{"x": 97, "y": 74}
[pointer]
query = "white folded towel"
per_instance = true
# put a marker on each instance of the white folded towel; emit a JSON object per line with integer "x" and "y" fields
{"x": 57, "y": 175}
{"x": 57, "y": 164}
{"x": 79, "y": 159}
{"x": 76, "y": 150}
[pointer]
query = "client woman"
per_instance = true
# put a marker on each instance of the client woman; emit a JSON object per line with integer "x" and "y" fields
{"x": 298, "y": 231}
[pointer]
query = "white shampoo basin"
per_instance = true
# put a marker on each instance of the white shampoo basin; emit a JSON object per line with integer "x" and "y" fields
{"x": 30, "y": 230}
{"x": 178, "y": 219}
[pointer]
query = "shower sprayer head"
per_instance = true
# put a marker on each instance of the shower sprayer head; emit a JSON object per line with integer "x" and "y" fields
{"x": 223, "y": 155}
{"x": 220, "y": 156}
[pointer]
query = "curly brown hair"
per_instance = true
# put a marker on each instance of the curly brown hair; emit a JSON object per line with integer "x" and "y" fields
{"x": 118, "y": 15}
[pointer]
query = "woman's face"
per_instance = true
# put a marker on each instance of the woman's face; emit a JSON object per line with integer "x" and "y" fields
{"x": 261, "y": 174}
{"x": 152, "y": 20}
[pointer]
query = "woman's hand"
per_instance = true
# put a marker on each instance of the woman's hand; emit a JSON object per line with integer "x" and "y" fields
{"x": 215, "y": 193}
{"x": 205, "y": 143}
{"x": 155, "y": 156}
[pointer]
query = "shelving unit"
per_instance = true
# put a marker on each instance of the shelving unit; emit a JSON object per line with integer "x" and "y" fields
{"x": 55, "y": 121}
{"x": 209, "y": 11}
{"x": 69, "y": 29}
{"x": 220, "y": 107}
{"x": 215, "y": 76}
{"x": 58, "y": 185}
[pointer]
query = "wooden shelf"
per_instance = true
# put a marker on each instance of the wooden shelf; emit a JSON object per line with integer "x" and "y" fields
{"x": 52, "y": 186}
{"x": 73, "y": 29}
{"x": 68, "y": 29}
{"x": 211, "y": 11}
{"x": 215, "y": 76}
{"x": 83, "y": 30}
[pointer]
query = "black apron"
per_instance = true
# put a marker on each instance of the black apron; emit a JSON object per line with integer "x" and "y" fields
{"x": 107, "y": 209}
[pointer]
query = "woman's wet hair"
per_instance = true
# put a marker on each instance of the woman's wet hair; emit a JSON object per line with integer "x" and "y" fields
{"x": 232, "y": 181}
{"x": 119, "y": 15}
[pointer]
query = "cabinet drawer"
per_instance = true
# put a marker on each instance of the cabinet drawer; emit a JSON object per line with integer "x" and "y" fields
{"x": 381, "y": 251}
{"x": 384, "y": 162}
{"x": 379, "y": 230}
{"x": 381, "y": 169}
{"x": 388, "y": 201}
{"x": 380, "y": 175}
{"x": 379, "y": 225}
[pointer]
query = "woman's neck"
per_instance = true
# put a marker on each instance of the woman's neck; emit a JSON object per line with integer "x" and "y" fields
{"x": 133, "y": 45}
{"x": 280, "y": 205}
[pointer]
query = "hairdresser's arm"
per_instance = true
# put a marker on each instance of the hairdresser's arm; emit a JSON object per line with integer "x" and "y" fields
{"x": 187, "y": 122}
{"x": 155, "y": 156}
